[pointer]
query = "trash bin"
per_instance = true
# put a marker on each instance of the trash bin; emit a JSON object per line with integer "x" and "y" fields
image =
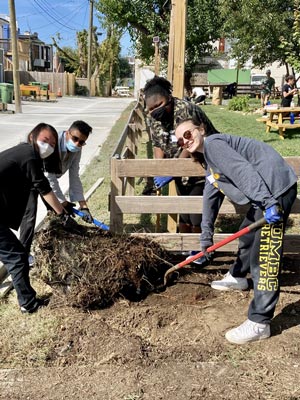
{"x": 6, "y": 92}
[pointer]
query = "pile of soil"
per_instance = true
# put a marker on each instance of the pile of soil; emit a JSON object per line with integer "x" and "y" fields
{"x": 91, "y": 268}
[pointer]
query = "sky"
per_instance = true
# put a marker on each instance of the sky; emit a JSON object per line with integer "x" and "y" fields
{"x": 50, "y": 17}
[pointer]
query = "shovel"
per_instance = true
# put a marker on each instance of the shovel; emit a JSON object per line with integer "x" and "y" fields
{"x": 95, "y": 222}
{"x": 247, "y": 229}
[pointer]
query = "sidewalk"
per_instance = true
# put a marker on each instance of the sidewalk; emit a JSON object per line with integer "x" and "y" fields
{"x": 100, "y": 113}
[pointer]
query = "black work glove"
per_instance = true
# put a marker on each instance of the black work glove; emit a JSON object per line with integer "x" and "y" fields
{"x": 68, "y": 223}
{"x": 68, "y": 206}
{"x": 87, "y": 216}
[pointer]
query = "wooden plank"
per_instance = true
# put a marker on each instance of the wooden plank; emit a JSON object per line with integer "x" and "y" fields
{"x": 162, "y": 167}
{"x": 5, "y": 286}
{"x": 190, "y": 241}
{"x": 284, "y": 125}
{"x": 172, "y": 167}
{"x": 178, "y": 205}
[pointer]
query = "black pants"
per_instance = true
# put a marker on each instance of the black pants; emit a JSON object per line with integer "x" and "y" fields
{"x": 28, "y": 222}
{"x": 261, "y": 252}
{"x": 200, "y": 99}
{"x": 194, "y": 187}
{"x": 15, "y": 259}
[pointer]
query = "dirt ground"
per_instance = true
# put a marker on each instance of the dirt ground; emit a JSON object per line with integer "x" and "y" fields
{"x": 170, "y": 345}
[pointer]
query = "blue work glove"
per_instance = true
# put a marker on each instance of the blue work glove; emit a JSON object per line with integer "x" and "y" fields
{"x": 273, "y": 214}
{"x": 87, "y": 216}
{"x": 160, "y": 181}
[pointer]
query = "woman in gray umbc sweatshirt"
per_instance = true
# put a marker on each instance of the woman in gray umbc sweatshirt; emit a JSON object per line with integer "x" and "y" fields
{"x": 247, "y": 171}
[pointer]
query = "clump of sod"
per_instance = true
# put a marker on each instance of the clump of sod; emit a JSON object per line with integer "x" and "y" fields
{"x": 92, "y": 268}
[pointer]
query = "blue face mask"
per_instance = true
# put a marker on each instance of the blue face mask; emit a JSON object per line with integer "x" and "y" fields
{"x": 71, "y": 146}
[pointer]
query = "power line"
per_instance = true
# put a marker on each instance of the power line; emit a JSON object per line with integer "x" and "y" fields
{"x": 51, "y": 17}
{"x": 64, "y": 17}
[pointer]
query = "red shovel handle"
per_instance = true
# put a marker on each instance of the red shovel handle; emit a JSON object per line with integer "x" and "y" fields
{"x": 229, "y": 239}
{"x": 216, "y": 246}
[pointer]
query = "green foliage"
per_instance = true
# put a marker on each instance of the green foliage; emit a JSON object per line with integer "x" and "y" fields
{"x": 81, "y": 90}
{"x": 240, "y": 103}
{"x": 148, "y": 18}
{"x": 291, "y": 47}
{"x": 256, "y": 28}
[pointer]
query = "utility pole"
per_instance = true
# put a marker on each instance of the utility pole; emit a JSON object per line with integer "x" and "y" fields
{"x": 15, "y": 55}
{"x": 90, "y": 46}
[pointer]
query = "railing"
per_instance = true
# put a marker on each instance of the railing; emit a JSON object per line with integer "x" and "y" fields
{"x": 125, "y": 167}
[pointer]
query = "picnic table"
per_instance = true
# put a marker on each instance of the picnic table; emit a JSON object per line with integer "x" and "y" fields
{"x": 279, "y": 118}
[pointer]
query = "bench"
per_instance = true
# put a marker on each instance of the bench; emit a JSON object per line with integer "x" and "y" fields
{"x": 281, "y": 127}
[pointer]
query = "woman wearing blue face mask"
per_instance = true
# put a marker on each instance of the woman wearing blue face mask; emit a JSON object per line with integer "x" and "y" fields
{"x": 21, "y": 172}
{"x": 70, "y": 144}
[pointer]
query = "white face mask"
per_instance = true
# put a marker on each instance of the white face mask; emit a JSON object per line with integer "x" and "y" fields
{"x": 45, "y": 149}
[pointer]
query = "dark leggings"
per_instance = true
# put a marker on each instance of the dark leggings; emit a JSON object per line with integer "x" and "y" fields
{"x": 261, "y": 251}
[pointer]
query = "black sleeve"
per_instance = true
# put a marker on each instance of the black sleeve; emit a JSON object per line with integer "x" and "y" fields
{"x": 36, "y": 176}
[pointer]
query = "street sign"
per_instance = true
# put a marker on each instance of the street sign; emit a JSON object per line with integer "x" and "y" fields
{"x": 156, "y": 39}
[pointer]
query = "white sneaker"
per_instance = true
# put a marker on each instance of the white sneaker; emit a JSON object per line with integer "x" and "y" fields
{"x": 31, "y": 260}
{"x": 249, "y": 331}
{"x": 229, "y": 282}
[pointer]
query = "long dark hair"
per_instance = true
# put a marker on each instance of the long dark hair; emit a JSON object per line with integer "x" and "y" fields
{"x": 52, "y": 163}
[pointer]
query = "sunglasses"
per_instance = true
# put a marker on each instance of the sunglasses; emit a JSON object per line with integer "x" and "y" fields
{"x": 187, "y": 135}
{"x": 77, "y": 140}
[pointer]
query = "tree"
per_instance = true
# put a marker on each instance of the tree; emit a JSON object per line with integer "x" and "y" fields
{"x": 256, "y": 29}
{"x": 291, "y": 47}
{"x": 146, "y": 19}
{"x": 104, "y": 56}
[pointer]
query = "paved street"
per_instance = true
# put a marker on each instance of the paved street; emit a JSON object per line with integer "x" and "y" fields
{"x": 100, "y": 113}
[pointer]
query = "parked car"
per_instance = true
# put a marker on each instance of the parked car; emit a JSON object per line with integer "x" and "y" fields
{"x": 256, "y": 79}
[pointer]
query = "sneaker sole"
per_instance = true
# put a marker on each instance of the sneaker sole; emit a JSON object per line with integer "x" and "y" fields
{"x": 237, "y": 341}
{"x": 227, "y": 288}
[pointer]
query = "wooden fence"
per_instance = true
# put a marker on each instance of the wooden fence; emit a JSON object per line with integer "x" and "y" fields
{"x": 62, "y": 82}
{"x": 125, "y": 167}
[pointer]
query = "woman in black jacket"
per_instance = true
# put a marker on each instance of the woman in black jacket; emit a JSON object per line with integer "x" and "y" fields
{"x": 21, "y": 170}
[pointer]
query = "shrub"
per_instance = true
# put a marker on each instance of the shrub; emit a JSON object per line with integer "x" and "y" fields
{"x": 239, "y": 104}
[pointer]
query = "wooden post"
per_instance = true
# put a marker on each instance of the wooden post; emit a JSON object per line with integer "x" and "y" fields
{"x": 176, "y": 70}
{"x": 179, "y": 47}
{"x": 171, "y": 43}
{"x": 116, "y": 216}
{"x": 157, "y": 61}
{"x": 156, "y": 55}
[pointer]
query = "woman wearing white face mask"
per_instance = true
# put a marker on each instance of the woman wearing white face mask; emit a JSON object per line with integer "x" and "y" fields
{"x": 70, "y": 144}
{"x": 21, "y": 173}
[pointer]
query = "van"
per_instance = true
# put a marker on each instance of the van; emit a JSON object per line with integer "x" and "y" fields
{"x": 256, "y": 79}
